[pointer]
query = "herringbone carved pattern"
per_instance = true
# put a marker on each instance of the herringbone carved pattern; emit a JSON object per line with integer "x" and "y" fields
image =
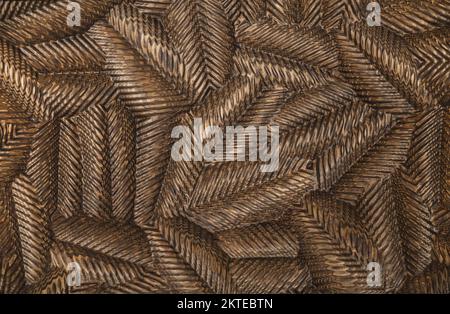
{"x": 86, "y": 175}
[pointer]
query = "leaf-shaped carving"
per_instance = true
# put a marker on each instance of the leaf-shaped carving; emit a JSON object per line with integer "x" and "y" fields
{"x": 88, "y": 181}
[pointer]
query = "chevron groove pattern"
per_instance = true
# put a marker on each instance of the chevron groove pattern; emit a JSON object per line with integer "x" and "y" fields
{"x": 86, "y": 174}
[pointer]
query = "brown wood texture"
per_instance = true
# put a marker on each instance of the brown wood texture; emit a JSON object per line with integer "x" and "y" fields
{"x": 86, "y": 174}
